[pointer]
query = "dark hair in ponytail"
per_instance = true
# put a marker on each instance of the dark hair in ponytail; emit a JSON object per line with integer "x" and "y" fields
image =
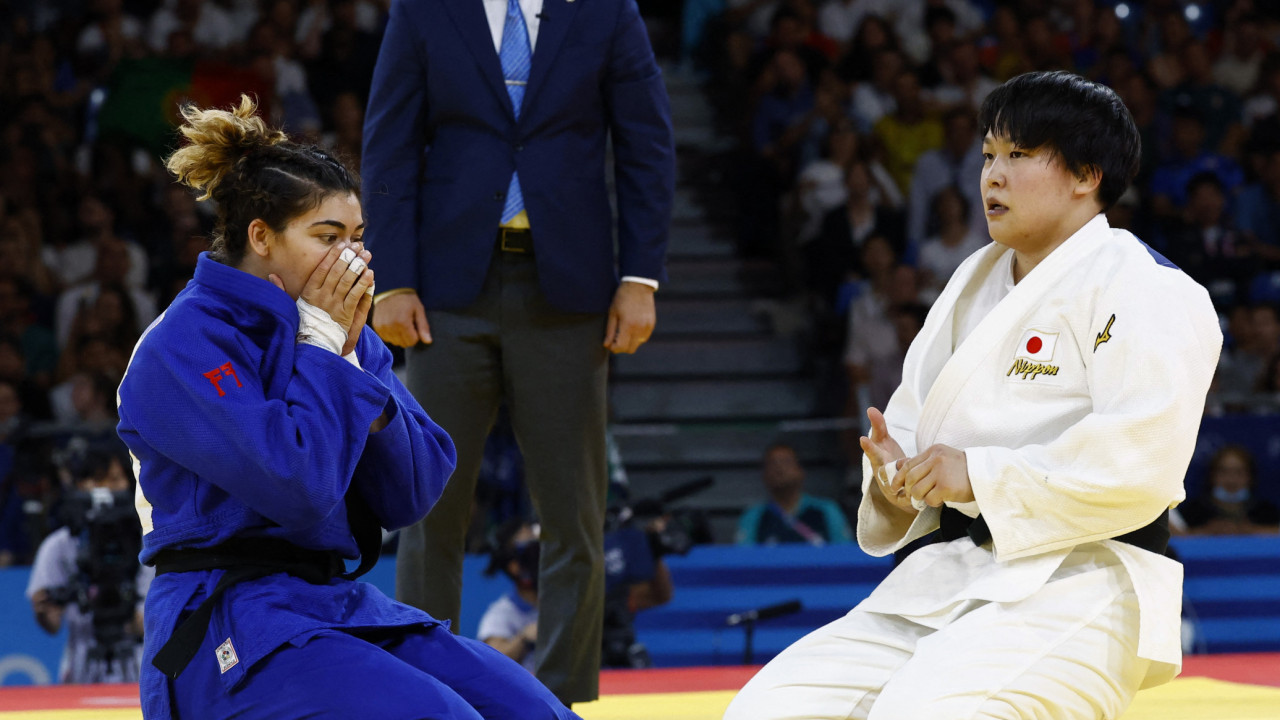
{"x": 251, "y": 172}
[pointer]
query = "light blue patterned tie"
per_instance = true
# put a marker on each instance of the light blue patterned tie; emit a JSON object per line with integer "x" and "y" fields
{"x": 516, "y": 56}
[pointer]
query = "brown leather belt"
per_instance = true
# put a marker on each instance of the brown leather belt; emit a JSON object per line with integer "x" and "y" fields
{"x": 515, "y": 240}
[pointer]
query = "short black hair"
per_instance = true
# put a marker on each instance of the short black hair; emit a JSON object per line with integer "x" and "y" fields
{"x": 1085, "y": 123}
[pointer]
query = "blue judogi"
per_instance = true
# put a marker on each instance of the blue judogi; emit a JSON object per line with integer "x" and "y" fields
{"x": 238, "y": 431}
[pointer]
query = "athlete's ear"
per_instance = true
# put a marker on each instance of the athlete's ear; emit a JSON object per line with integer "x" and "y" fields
{"x": 260, "y": 238}
{"x": 1088, "y": 180}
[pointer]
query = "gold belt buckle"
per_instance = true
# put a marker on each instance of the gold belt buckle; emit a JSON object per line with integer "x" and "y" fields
{"x": 510, "y": 248}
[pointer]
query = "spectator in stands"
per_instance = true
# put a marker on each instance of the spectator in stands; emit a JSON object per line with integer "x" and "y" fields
{"x": 347, "y": 118}
{"x": 908, "y": 132}
{"x": 348, "y": 51}
{"x": 837, "y": 251}
{"x": 1255, "y": 333}
{"x": 957, "y": 164}
{"x": 840, "y": 20}
{"x": 212, "y": 28}
{"x": 790, "y": 515}
{"x": 1224, "y": 132}
{"x": 18, "y": 320}
{"x": 111, "y": 35}
{"x": 1258, "y": 208}
{"x": 510, "y": 623}
{"x": 293, "y": 104}
{"x": 1188, "y": 156}
{"x": 1228, "y": 504}
{"x": 873, "y": 97}
{"x": 910, "y": 21}
{"x": 1002, "y": 49}
{"x": 1203, "y": 241}
{"x": 953, "y": 240}
{"x": 1263, "y": 100}
{"x": 1240, "y": 65}
{"x": 111, "y": 270}
{"x": 13, "y": 369}
{"x": 963, "y": 83}
{"x": 820, "y": 185}
{"x": 874, "y": 351}
{"x": 75, "y": 263}
{"x": 940, "y": 30}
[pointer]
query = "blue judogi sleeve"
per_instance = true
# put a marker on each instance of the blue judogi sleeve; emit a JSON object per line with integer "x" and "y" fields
{"x": 404, "y": 466}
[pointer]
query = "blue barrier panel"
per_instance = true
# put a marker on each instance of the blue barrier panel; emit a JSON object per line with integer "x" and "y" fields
{"x": 1232, "y": 591}
{"x": 29, "y": 656}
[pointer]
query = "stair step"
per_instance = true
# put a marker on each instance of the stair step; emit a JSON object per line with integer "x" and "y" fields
{"x": 735, "y": 488}
{"x": 726, "y": 448}
{"x": 711, "y": 277}
{"x": 699, "y": 239}
{"x": 682, "y": 317}
{"x": 731, "y": 400}
{"x": 672, "y": 352}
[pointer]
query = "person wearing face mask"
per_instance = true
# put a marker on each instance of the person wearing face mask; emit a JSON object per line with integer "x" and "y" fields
{"x": 1229, "y": 506}
{"x": 510, "y": 624}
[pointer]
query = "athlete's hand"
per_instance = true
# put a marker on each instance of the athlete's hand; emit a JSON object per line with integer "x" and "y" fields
{"x": 339, "y": 288}
{"x": 882, "y": 450}
{"x": 938, "y": 475}
{"x": 401, "y": 320}
{"x": 361, "y": 315}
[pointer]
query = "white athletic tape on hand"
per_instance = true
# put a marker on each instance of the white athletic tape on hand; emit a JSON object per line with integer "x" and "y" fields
{"x": 886, "y": 475}
{"x": 347, "y": 256}
{"x": 357, "y": 266}
{"x": 316, "y": 327}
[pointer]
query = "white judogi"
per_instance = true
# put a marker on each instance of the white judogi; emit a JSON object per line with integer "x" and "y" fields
{"x": 1076, "y": 396}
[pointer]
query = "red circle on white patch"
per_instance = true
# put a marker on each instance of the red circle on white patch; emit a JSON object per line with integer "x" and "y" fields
{"x": 1034, "y": 345}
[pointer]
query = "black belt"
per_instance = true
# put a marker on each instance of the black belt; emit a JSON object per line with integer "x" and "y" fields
{"x": 955, "y": 525}
{"x": 515, "y": 240}
{"x": 252, "y": 558}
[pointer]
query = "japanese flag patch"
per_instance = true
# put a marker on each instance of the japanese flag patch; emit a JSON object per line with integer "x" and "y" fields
{"x": 1037, "y": 346}
{"x": 226, "y": 653}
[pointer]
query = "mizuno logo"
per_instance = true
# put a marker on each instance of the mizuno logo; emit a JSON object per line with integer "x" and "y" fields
{"x": 1105, "y": 335}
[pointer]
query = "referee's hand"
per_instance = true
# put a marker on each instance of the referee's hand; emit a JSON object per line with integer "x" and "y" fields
{"x": 401, "y": 320}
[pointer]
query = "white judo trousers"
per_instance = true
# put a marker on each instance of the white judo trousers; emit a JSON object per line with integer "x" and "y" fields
{"x": 1076, "y": 395}
{"x": 1049, "y": 656}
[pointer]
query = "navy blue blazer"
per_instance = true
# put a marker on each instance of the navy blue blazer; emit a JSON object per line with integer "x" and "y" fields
{"x": 441, "y": 142}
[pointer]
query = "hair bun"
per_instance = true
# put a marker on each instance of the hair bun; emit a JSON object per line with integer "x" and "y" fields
{"x": 216, "y": 141}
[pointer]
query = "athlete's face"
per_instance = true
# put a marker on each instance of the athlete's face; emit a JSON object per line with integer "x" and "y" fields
{"x": 1032, "y": 202}
{"x": 297, "y": 251}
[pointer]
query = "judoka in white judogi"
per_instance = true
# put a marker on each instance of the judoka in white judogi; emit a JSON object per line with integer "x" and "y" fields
{"x": 1076, "y": 396}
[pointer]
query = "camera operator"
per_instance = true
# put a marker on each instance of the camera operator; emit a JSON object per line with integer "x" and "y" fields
{"x": 87, "y": 575}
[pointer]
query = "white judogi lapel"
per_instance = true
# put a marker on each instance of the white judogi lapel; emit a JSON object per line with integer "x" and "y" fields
{"x": 1024, "y": 300}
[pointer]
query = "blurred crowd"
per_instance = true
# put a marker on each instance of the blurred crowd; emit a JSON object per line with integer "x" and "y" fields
{"x": 855, "y": 168}
{"x": 95, "y": 239}
{"x": 858, "y": 159}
